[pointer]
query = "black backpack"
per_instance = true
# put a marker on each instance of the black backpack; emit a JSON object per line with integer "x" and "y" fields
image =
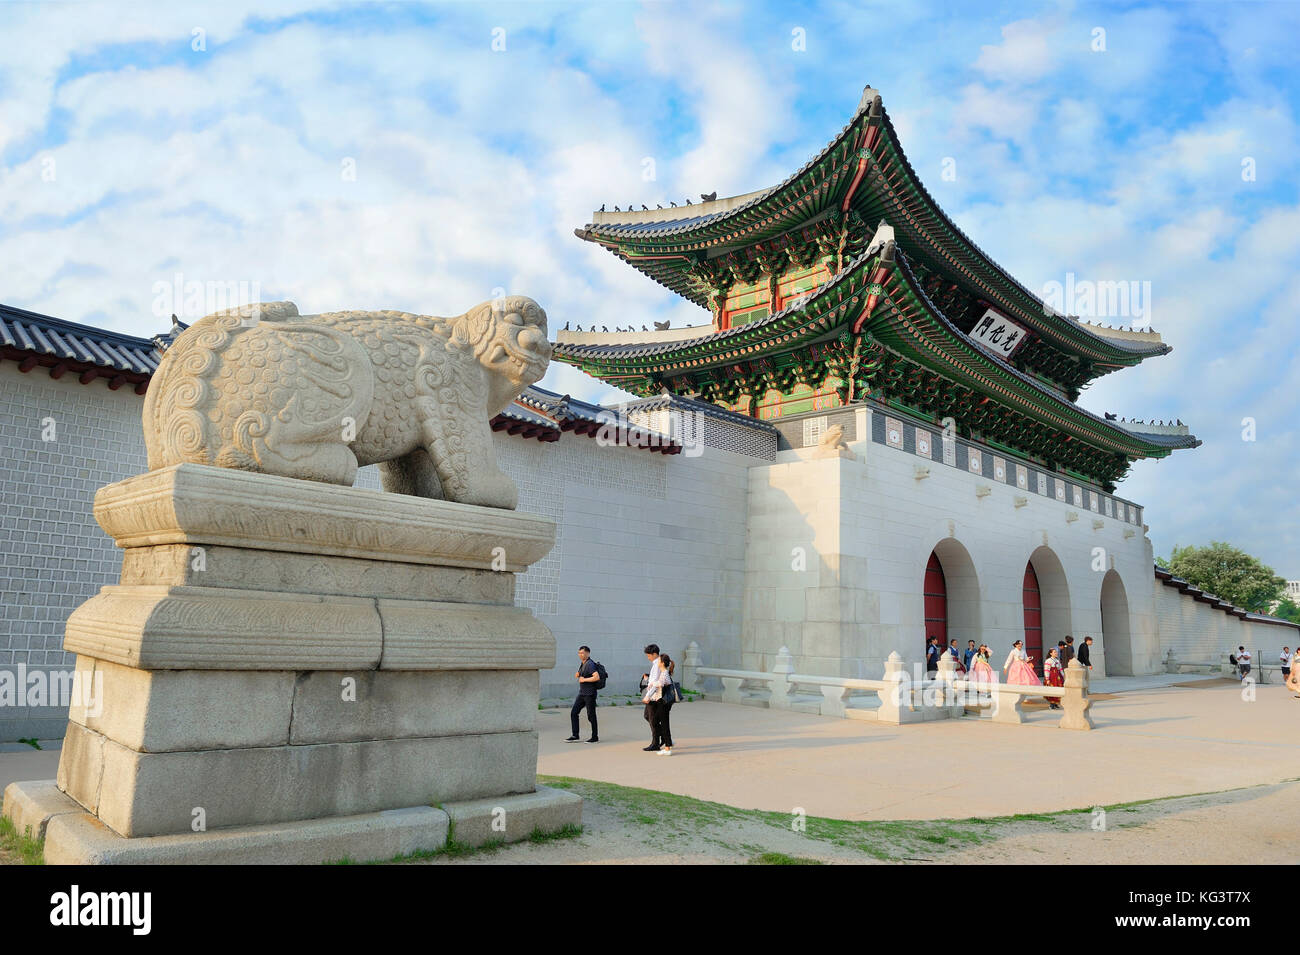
{"x": 604, "y": 676}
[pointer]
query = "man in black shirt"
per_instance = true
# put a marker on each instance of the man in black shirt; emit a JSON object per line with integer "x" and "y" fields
{"x": 1085, "y": 653}
{"x": 587, "y": 678}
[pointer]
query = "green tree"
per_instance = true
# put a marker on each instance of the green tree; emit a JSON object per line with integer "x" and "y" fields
{"x": 1228, "y": 573}
{"x": 1287, "y": 609}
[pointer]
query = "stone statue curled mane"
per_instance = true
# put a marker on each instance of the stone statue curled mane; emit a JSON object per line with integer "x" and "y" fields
{"x": 262, "y": 388}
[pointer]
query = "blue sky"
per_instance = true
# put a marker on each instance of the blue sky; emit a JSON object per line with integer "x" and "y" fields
{"x": 128, "y": 156}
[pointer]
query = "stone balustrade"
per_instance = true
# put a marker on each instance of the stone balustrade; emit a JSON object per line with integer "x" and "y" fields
{"x": 901, "y": 698}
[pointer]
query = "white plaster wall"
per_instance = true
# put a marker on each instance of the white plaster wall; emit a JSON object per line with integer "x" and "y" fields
{"x": 872, "y": 525}
{"x": 650, "y": 548}
{"x": 1198, "y": 633}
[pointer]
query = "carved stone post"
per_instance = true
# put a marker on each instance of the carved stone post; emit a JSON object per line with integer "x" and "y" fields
{"x": 731, "y": 689}
{"x": 780, "y": 684}
{"x": 1075, "y": 702}
{"x": 690, "y": 664}
{"x": 834, "y": 700}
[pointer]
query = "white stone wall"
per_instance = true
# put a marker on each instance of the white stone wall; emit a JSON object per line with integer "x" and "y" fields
{"x": 1198, "y": 633}
{"x": 869, "y": 526}
{"x": 53, "y": 556}
{"x": 650, "y": 548}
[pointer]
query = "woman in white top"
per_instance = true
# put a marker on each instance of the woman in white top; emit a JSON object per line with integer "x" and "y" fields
{"x": 1018, "y": 668}
{"x": 655, "y": 680}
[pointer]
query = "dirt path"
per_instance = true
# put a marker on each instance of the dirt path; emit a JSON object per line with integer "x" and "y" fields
{"x": 623, "y": 825}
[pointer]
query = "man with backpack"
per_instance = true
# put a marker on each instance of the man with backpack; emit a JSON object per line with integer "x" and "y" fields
{"x": 590, "y": 677}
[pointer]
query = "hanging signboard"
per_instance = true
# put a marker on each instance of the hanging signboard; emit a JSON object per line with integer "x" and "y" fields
{"x": 998, "y": 333}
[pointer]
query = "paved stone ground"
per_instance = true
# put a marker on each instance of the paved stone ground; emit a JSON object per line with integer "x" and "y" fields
{"x": 1150, "y": 743}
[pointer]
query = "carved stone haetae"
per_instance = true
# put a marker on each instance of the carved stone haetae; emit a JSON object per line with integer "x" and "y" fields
{"x": 262, "y": 388}
{"x": 832, "y": 444}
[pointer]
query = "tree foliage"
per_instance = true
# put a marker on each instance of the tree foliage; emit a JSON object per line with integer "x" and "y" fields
{"x": 1228, "y": 573}
{"x": 1287, "y": 609}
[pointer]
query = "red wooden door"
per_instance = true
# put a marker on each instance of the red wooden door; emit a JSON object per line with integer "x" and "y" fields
{"x": 936, "y": 602}
{"x": 1033, "y": 601}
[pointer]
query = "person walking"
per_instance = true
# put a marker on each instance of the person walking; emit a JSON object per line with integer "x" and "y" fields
{"x": 587, "y": 676}
{"x": 655, "y": 681}
{"x": 1068, "y": 653}
{"x": 1053, "y": 675}
{"x": 969, "y": 655}
{"x": 955, "y": 653}
{"x": 932, "y": 653}
{"x": 980, "y": 668}
{"x": 1243, "y": 661}
{"x": 664, "y": 705}
{"x": 1293, "y": 679}
{"x": 1285, "y": 658}
{"x": 1085, "y": 654}
{"x": 1019, "y": 667}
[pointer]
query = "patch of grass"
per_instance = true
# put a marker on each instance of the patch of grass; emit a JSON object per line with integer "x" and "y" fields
{"x": 780, "y": 858}
{"x": 567, "y": 831}
{"x": 34, "y": 744}
{"x": 31, "y": 851}
{"x": 884, "y": 840}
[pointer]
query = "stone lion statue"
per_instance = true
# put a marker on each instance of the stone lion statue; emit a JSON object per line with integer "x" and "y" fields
{"x": 262, "y": 388}
{"x": 832, "y": 445}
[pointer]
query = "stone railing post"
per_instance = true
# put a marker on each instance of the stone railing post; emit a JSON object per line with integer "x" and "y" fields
{"x": 1075, "y": 702}
{"x": 1225, "y": 666}
{"x": 731, "y": 689}
{"x": 780, "y": 683}
{"x": 1006, "y": 704}
{"x": 691, "y": 663}
{"x": 896, "y": 698}
{"x": 1171, "y": 661}
{"x": 834, "y": 700}
{"x": 946, "y": 698}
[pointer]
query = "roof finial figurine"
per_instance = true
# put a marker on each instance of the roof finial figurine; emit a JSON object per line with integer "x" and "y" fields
{"x": 644, "y": 207}
{"x": 566, "y": 326}
{"x": 603, "y": 328}
{"x": 688, "y": 202}
{"x": 659, "y": 205}
{"x": 710, "y": 197}
{"x": 1109, "y": 416}
{"x": 644, "y": 329}
{"x": 673, "y": 204}
{"x": 662, "y": 326}
{"x": 602, "y": 207}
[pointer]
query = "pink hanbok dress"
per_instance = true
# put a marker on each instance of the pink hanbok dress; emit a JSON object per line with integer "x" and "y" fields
{"x": 980, "y": 670}
{"x": 1018, "y": 670}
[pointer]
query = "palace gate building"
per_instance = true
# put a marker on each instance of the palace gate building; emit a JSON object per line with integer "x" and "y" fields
{"x": 976, "y": 498}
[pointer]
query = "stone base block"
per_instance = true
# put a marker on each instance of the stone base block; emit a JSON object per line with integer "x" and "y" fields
{"x": 159, "y": 711}
{"x": 513, "y": 818}
{"x": 148, "y": 794}
{"x": 81, "y": 839}
{"x": 31, "y": 805}
{"x": 78, "y": 838}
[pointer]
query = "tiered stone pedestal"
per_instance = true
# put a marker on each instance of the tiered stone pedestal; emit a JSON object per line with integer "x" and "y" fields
{"x": 301, "y": 671}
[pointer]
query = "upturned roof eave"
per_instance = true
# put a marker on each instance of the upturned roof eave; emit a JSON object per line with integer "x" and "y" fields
{"x": 1064, "y": 331}
{"x": 770, "y": 337}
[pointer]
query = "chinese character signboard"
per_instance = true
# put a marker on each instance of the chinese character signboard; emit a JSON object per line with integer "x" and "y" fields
{"x": 998, "y": 334}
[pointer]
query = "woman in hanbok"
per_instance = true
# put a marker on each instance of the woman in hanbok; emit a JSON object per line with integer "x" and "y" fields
{"x": 956, "y": 657}
{"x": 1019, "y": 668}
{"x": 1054, "y": 675}
{"x": 980, "y": 670}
